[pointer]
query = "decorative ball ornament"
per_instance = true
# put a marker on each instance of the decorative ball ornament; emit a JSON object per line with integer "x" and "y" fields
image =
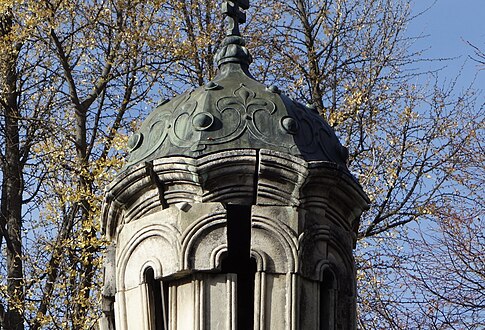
{"x": 290, "y": 125}
{"x": 202, "y": 121}
{"x": 135, "y": 141}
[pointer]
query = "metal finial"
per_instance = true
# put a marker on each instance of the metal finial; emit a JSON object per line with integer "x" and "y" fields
{"x": 232, "y": 10}
{"x": 233, "y": 48}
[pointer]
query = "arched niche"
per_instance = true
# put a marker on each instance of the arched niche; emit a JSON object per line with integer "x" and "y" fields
{"x": 154, "y": 246}
{"x": 275, "y": 243}
{"x": 204, "y": 242}
{"x": 275, "y": 251}
{"x": 328, "y": 297}
{"x": 321, "y": 245}
{"x": 155, "y": 300}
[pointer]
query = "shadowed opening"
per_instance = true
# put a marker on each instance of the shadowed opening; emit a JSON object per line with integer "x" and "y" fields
{"x": 157, "y": 293}
{"x": 239, "y": 261}
{"x": 328, "y": 291}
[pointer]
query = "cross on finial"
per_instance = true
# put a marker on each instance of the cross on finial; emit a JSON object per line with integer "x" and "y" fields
{"x": 232, "y": 9}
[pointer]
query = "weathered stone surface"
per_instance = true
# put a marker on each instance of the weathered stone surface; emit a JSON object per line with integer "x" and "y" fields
{"x": 224, "y": 177}
{"x": 241, "y": 176}
{"x": 171, "y": 241}
{"x": 148, "y": 243}
{"x": 273, "y": 240}
{"x": 170, "y": 215}
{"x": 276, "y": 301}
{"x": 280, "y": 178}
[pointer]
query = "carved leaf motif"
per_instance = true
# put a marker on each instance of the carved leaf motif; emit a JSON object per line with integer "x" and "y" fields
{"x": 245, "y": 94}
{"x": 182, "y": 134}
{"x": 246, "y": 103}
{"x": 252, "y": 103}
{"x": 234, "y": 121}
{"x": 231, "y": 103}
{"x": 157, "y": 134}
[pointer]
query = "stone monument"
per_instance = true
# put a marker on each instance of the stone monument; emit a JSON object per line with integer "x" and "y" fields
{"x": 235, "y": 210}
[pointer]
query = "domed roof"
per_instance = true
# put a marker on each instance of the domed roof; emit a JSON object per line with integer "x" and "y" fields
{"x": 234, "y": 111}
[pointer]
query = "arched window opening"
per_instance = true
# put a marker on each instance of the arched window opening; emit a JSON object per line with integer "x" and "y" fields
{"x": 157, "y": 301}
{"x": 328, "y": 300}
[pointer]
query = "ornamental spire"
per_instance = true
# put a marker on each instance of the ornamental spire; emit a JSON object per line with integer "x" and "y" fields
{"x": 233, "y": 48}
{"x": 232, "y": 10}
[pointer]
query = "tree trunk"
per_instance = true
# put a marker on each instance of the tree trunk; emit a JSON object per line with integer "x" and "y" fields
{"x": 11, "y": 197}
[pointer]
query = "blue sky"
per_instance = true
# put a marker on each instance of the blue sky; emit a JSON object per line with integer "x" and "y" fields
{"x": 449, "y": 24}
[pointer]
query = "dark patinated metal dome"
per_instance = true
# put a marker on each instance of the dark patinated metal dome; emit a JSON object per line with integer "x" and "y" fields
{"x": 234, "y": 111}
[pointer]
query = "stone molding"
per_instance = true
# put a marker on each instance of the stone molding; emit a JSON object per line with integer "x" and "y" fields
{"x": 244, "y": 176}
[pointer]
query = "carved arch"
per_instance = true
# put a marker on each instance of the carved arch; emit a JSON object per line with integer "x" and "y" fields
{"x": 320, "y": 247}
{"x": 262, "y": 260}
{"x": 156, "y": 246}
{"x": 204, "y": 242}
{"x": 275, "y": 243}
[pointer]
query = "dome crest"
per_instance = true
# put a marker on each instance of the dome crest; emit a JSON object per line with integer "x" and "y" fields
{"x": 234, "y": 111}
